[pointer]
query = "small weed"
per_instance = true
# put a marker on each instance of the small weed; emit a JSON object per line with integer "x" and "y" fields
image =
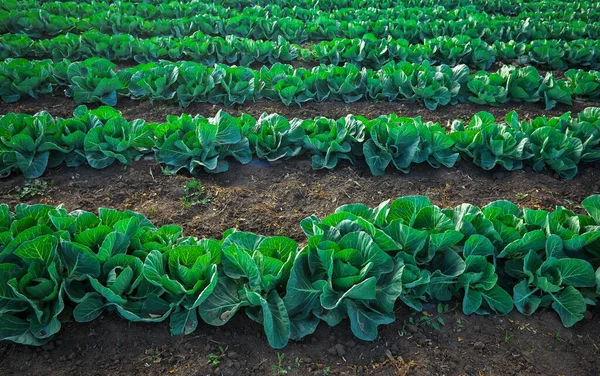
{"x": 426, "y": 320}
{"x": 152, "y": 210}
{"x": 532, "y": 350}
{"x": 154, "y": 355}
{"x": 74, "y": 180}
{"x": 438, "y": 323}
{"x": 165, "y": 171}
{"x": 297, "y": 362}
{"x": 557, "y": 335}
{"x": 278, "y": 368}
{"x": 442, "y": 308}
{"x": 507, "y": 337}
{"x": 194, "y": 193}
{"x": 33, "y": 188}
{"x": 160, "y": 107}
{"x": 573, "y": 205}
{"x": 216, "y": 359}
{"x": 520, "y": 196}
{"x": 326, "y": 370}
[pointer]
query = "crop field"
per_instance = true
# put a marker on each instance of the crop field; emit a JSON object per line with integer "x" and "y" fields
{"x": 295, "y": 187}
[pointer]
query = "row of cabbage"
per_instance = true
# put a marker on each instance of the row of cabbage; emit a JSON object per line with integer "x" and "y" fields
{"x": 101, "y": 137}
{"x": 415, "y": 28}
{"x": 358, "y": 264}
{"x": 368, "y": 51}
{"x": 96, "y": 80}
{"x": 577, "y": 12}
{"x": 507, "y": 7}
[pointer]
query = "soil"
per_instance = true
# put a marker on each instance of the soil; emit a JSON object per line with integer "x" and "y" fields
{"x": 477, "y": 345}
{"x": 137, "y": 109}
{"x": 271, "y": 200}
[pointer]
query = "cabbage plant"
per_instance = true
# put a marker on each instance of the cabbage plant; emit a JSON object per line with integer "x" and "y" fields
{"x": 189, "y": 274}
{"x": 274, "y": 137}
{"x": 191, "y": 143}
{"x": 490, "y": 144}
{"x": 342, "y": 273}
{"x": 254, "y": 270}
{"x": 329, "y": 140}
{"x": 93, "y": 80}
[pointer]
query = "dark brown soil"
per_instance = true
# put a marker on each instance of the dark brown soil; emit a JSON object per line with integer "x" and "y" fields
{"x": 466, "y": 345}
{"x": 134, "y": 109}
{"x": 272, "y": 200}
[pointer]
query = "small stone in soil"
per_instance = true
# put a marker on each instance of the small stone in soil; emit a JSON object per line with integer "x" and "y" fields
{"x": 526, "y": 356}
{"x": 412, "y": 328}
{"x": 233, "y": 355}
{"x": 351, "y": 343}
{"x": 498, "y": 175}
{"x": 479, "y": 345}
{"x": 340, "y": 349}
